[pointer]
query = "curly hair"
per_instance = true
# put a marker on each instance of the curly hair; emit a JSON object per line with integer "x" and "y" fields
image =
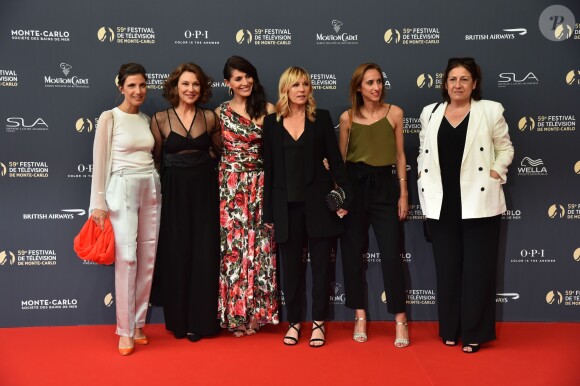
{"x": 288, "y": 78}
{"x": 170, "y": 84}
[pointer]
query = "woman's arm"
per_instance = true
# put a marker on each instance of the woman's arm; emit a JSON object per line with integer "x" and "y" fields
{"x": 395, "y": 116}
{"x": 101, "y": 159}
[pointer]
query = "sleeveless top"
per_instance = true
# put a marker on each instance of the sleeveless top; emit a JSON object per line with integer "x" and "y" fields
{"x": 372, "y": 144}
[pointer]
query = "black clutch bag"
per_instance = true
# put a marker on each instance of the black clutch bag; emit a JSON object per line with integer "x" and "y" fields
{"x": 335, "y": 199}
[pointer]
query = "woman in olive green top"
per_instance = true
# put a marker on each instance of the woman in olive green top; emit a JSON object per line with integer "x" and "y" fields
{"x": 371, "y": 142}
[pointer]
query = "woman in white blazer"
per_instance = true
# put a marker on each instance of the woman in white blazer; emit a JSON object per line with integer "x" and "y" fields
{"x": 464, "y": 153}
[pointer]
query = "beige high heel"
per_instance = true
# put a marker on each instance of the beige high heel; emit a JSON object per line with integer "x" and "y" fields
{"x": 359, "y": 337}
{"x": 402, "y": 342}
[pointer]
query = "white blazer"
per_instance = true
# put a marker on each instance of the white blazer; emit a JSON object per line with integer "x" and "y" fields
{"x": 487, "y": 147}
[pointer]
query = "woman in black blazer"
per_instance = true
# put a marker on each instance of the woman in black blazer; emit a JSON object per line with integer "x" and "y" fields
{"x": 297, "y": 138}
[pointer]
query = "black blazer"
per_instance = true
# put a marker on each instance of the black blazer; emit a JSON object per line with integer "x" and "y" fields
{"x": 320, "y": 143}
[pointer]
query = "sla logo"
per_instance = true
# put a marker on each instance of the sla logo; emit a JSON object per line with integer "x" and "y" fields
{"x": 554, "y": 297}
{"x": 527, "y": 123}
{"x": 14, "y": 124}
{"x": 573, "y": 77}
{"x": 336, "y": 24}
{"x": 7, "y": 258}
{"x": 557, "y": 23}
{"x": 425, "y": 80}
{"x": 511, "y": 79}
{"x": 84, "y": 125}
{"x": 556, "y": 210}
{"x": 392, "y": 36}
{"x": 244, "y": 36}
{"x": 105, "y": 34}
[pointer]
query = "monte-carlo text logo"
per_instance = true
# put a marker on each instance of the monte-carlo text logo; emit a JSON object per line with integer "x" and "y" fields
{"x": 126, "y": 35}
{"x": 423, "y": 35}
{"x": 68, "y": 81}
{"x": 337, "y": 37}
{"x": 8, "y": 78}
{"x": 34, "y": 257}
{"x": 40, "y": 35}
{"x": 49, "y": 304}
{"x": 24, "y": 169}
{"x": 326, "y": 81}
{"x": 548, "y": 123}
{"x": 557, "y": 23}
{"x": 421, "y": 296}
{"x": 264, "y": 36}
{"x": 22, "y": 124}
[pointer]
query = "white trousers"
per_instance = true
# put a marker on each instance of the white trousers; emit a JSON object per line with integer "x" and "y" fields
{"x": 134, "y": 201}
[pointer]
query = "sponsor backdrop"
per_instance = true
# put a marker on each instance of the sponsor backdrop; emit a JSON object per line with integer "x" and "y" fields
{"x": 57, "y": 70}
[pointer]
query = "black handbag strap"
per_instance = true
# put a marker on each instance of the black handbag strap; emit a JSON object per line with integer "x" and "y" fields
{"x": 435, "y": 108}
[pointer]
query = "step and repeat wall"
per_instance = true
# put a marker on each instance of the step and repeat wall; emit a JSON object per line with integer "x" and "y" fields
{"x": 58, "y": 65}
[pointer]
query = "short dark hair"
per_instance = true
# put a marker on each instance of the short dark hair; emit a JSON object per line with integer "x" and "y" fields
{"x": 470, "y": 65}
{"x": 128, "y": 69}
{"x": 170, "y": 84}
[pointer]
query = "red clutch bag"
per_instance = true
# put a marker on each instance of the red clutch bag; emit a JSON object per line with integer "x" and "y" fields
{"x": 94, "y": 244}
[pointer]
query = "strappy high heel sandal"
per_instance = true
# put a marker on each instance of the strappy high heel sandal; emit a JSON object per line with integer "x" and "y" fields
{"x": 402, "y": 342}
{"x": 294, "y": 340}
{"x": 316, "y": 326}
{"x": 360, "y": 337}
{"x": 473, "y": 348}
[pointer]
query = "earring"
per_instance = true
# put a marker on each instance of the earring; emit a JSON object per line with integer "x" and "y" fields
{"x": 230, "y": 91}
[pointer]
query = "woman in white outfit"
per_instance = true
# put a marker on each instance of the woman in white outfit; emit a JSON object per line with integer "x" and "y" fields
{"x": 125, "y": 187}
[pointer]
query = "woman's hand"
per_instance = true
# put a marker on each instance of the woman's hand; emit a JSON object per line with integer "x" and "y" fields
{"x": 269, "y": 225}
{"x": 495, "y": 175}
{"x": 341, "y": 212}
{"x": 99, "y": 216}
{"x": 403, "y": 208}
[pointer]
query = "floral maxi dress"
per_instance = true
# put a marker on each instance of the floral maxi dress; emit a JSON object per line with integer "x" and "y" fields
{"x": 247, "y": 283}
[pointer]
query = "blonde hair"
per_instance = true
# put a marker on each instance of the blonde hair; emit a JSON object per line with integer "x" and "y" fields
{"x": 288, "y": 78}
{"x": 356, "y": 100}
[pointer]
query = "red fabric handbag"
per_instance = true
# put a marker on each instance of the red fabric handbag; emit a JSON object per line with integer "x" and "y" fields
{"x": 94, "y": 244}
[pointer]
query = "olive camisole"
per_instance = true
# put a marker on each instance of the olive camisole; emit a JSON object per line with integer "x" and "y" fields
{"x": 372, "y": 144}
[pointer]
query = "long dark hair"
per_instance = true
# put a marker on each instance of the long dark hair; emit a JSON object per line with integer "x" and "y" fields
{"x": 256, "y": 103}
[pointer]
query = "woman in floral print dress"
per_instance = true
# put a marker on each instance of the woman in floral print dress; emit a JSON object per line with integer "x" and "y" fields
{"x": 247, "y": 284}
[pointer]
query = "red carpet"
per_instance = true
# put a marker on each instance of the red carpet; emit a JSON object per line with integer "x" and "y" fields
{"x": 524, "y": 354}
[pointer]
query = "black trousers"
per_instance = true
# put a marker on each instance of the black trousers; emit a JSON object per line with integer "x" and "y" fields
{"x": 375, "y": 203}
{"x": 466, "y": 253}
{"x": 294, "y": 266}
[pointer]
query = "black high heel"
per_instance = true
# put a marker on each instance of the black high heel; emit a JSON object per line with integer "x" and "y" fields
{"x": 294, "y": 340}
{"x": 320, "y": 327}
